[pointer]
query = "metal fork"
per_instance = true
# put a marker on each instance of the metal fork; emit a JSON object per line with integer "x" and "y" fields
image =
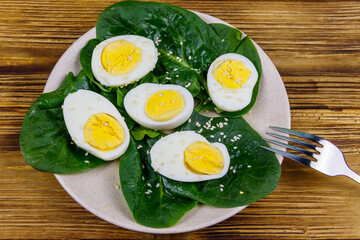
{"x": 329, "y": 159}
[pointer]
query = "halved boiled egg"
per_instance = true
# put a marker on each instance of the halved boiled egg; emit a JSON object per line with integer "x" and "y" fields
{"x": 122, "y": 60}
{"x": 189, "y": 157}
{"x": 231, "y": 79}
{"x": 157, "y": 106}
{"x": 95, "y": 125}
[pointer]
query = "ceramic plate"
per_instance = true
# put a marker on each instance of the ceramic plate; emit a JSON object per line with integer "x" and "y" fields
{"x": 98, "y": 190}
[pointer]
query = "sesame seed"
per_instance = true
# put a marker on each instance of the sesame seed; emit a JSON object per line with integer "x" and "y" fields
{"x": 71, "y": 143}
{"x": 175, "y": 69}
{"x": 177, "y": 75}
{"x": 221, "y": 189}
{"x": 181, "y": 43}
{"x": 212, "y": 136}
{"x": 87, "y": 153}
{"x": 142, "y": 166}
{"x": 222, "y": 133}
{"x": 168, "y": 78}
{"x": 234, "y": 170}
{"x": 188, "y": 85}
{"x": 248, "y": 166}
{"x": 219, "y": 140}
{"x": 157, "y": 185}
{"x": 149, "y": 185}
{"x": 221, "y": 185}
{"x": 143, "y": 178}
{"x": 241, "y": 192}
{"x": 162, "y": 103}
{"x": 189, "y": 120}
{"x": 160, "y": 95}
{"x": 117, "y": 186}
{"x": 189, "y": 57}
{"x": 147, "y": 152}
{"x": 139, "y": 146}
{"x": 235, "y": 147}
{"x": 223, "y": 40}
{"x": 200, "y": 130}
{"x": 86, "y": 161}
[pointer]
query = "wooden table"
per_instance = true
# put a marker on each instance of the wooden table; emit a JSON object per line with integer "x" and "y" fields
{"x": 314, "y": 45}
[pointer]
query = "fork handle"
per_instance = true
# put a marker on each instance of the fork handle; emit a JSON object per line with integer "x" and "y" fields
{"x": 351, "y": 174}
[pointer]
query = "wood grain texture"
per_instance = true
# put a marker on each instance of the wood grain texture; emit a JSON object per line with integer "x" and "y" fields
{"x": 315, "y": 45}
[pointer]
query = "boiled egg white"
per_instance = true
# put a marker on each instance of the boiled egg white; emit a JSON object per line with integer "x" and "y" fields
{"x": 188, "y": 157}
{"x": 231, "y": 79}
{"x": 121, "y": 60}
{"x": 95, "y": 125}
{"x": 157, "y": 106}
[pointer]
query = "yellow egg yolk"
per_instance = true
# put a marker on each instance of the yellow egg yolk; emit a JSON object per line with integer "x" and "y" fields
{"x": 120, "y": 57}
{"x": 231, "y": 74}
{"x": 164, "y": 105}
{"x": 202, "y": 158}
{"x": 103, "y": 132}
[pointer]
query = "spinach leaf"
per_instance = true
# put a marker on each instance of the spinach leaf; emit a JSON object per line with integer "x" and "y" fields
{"x": 187, "y": 45}
{"x": 139, "y": 133}
{"x": 44, "y": 139}
{"x": 144, "y": 191}
{"x": 86, "y": 55}
{"x": 254, "y": 172}
{"x": 232, "y": 38}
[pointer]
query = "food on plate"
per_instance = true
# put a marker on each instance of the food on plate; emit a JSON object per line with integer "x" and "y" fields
{"x": 151, "y": 77}
{"x": 187, "y": 156}
{"x": 95, "y": 125}
{"x": 121, "y": 60}
{"x": 44, "y": 139}
{"x": 253, "y": 173}
{"x": 230, "y": 80}
{"x": 159, "y": 106}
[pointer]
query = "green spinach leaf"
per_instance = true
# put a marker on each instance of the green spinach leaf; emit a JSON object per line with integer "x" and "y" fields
{"x": 231, "y": 36}
{"x": 86, "y": 55}
{"x": 254, "y": 172}
{"x": 144, "y": 191}
{"x": 44, "y": 140}
{"x": 139, "y": 133}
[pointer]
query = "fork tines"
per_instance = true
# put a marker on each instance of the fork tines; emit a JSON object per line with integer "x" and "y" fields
{"x": 295, "y": 157}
